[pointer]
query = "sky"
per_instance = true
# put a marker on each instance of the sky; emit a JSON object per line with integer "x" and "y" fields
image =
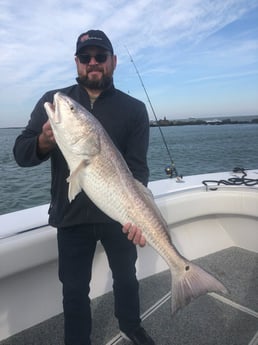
{"x": 196, "y": 58}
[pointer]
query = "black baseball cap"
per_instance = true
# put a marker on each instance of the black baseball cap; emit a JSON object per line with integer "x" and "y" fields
{"x": 93, "y": 38}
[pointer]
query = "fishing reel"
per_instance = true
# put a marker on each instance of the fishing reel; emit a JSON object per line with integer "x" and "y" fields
{"x": 169, "y": 170}
{"x": 172, "y": 172}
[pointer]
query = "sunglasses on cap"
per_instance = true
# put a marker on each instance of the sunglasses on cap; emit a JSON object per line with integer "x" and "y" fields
{"x": 100, "y": 58}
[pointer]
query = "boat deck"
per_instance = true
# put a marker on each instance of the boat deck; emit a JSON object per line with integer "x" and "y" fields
{"x": 210, "y": 320}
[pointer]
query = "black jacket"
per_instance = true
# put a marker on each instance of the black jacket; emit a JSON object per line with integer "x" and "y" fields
{"x": 126, "y": 121}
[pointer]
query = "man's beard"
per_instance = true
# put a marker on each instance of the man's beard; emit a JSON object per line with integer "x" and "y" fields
{"x": 104, "y": 83}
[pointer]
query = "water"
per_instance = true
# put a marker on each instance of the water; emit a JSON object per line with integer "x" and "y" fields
{"x": 204, "y": 149}
{"x": 194, "y": 150}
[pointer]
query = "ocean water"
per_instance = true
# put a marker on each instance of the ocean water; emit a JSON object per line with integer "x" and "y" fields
{"x": 194, "y": 150}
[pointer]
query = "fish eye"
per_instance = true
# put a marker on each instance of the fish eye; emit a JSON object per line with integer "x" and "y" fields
{"x": 72, "y": 107}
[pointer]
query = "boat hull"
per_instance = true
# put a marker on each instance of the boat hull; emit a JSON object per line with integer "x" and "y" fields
{"x": 201, "y": 222}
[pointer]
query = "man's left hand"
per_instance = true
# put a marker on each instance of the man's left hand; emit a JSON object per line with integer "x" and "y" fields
{"x": 134, "y": 234}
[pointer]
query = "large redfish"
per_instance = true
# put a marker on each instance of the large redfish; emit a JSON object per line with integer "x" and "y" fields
{"x": 98, "y": 168}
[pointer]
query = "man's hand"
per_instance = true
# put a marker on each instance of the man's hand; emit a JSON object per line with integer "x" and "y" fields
{"x": 46, "y": 139}
{"x": 134, "y": 234}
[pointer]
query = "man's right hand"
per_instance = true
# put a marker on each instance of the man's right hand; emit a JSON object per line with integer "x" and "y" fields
{"x": 46, "y": 139}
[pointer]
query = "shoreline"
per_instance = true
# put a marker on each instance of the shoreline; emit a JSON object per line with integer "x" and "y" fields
{"x": 186, "y": 122}
{"x": 194, "y": 122}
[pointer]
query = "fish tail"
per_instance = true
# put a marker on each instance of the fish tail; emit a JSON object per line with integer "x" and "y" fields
{"x": 192, "y": 283}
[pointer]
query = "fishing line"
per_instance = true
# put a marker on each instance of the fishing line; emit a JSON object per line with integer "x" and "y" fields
{"x": 170, "y": 169}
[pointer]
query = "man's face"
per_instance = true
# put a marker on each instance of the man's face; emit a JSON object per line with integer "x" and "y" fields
{"x": 95, "y": 67}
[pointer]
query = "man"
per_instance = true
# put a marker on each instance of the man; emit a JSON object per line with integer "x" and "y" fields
{"x": 80, "y": 224}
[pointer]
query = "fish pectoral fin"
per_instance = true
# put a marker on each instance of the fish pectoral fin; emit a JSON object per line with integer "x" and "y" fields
{"x": 74, "y": 189}
{"x": 93, "y": 144}
{"x": 74, "y": 181}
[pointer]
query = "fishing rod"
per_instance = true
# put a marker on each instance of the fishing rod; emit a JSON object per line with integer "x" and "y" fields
{"x": 172, "y": 168}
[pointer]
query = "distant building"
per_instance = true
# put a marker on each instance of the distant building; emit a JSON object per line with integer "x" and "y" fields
{"x": 164, "y": 122}
{"x": 213, "y": 122}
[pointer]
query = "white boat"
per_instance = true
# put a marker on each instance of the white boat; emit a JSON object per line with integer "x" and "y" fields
{"x": 217, "y": 225}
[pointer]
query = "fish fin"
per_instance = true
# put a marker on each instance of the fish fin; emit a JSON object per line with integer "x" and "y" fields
{"x": 74, "y": 181}
{"x": 146, "y": 192}
{"x": 149, "y": 198}
{"x": 89, "y": 146}
{"x": 193, "y": 283}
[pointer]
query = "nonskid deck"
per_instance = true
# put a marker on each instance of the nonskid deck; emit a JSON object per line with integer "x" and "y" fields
{"x": 210, "y": 320}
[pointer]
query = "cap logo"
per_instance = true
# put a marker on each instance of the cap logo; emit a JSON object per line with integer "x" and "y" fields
{"x": 84, "y": 38}
{"x": 87, "y": 37}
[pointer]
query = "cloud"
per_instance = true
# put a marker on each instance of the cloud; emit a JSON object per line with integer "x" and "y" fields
{"x": 167, "y": 39}
{"x": 224, "y": 76}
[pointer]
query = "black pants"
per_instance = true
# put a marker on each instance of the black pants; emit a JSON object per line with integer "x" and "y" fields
{"x": 76, "y": 247}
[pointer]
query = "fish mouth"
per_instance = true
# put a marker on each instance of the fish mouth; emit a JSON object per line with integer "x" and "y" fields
{"x": 52, "y": 109}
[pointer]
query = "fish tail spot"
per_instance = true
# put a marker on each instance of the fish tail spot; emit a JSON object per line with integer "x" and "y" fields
{"x": 187, "y": 268}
